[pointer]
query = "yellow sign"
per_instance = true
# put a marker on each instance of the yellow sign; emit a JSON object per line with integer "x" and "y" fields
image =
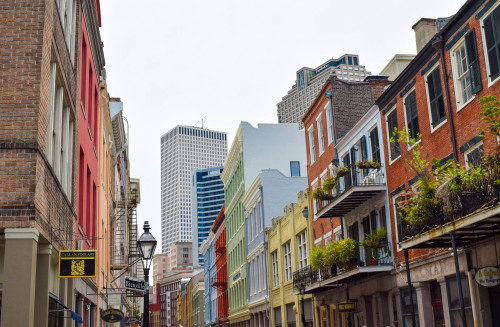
{"x": 347, "y": 307}
{"x": 77, "y": 263}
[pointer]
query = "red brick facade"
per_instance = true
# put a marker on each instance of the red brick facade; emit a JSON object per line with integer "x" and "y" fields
{"x": 219, "y": 230}
{"x": 436, "y": 141}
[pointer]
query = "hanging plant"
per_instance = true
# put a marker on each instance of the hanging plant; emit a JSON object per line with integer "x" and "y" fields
{"x": 342, "y": 171}
{"x": 329, "y": 184}
{"x": 317, "y": 194}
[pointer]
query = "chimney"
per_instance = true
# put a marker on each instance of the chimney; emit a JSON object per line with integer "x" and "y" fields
{"x": 425, "y": 29}
{"x": 378, "y": 84}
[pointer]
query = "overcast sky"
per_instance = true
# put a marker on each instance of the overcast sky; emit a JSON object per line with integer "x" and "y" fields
{"x": 173, "y": 62}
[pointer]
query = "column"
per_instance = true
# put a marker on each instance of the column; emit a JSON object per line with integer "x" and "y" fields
{"x": 18, "y": 307}
{"x": 80, "y": 308}
{"x": 444, "y": 300}
{"x": 70, "y": 300}
{"x": 42, "y": 285}
{"x": 424, "y": 303}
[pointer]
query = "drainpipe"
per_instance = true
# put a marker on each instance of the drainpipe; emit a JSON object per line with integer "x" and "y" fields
{"x": 438, "y": 44}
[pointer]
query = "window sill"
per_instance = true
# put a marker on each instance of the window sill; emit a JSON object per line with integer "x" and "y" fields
{"x": 391, "y": 161}
{"x": 490, "y": 83}
{"x": 433, "y": 129}
{"x": 460, "y": 107}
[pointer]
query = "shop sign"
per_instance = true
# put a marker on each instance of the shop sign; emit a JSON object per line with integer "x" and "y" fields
{"x": 77, "y": 263}
{"x": 488, "y": 276}
{"x": 112, "y": 315}
{"x": 132, "y": 320}
{"x": 347, "y": 307}
{"x": 114, "y": 298}
{"x": 134, "y": 284}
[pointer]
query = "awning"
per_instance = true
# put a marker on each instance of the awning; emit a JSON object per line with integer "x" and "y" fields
{"x": 74, "y": 315}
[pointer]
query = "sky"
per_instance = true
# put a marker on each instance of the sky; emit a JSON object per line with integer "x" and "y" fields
{"x": 174, "y": 62}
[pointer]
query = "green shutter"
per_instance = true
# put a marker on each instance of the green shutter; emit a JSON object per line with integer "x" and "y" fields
{"x": 472, "y": 58}
{"x": 436, "y": 97}
{"x": 491, "y": 33}
{"x": 412, "y": 115}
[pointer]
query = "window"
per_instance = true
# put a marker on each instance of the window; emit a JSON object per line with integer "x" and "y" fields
{"x": 406, "y": 306}
{"x": 67, "y": 15}
{"x": 302, "y": 249}
{"x": 287, "y": 259}
{"x": 60, "y": 132}
{"x": 276, "y": 274}
{"x": 491, "y": 26}
{"x": 392, "y": 125}
{"x": 321, "y": 141}
{"x": 294, "y": 168}
{"x": 411, "y": 115}
{"x": 374, "y": 143}
{"x": 435, "y": 97}
{"x": 329, "y": 123}
{"x": 474, "y": 156}
{"x": 465, "y": 66}
{"x": 454, "y": 301}
{"x": 312, "y": 149}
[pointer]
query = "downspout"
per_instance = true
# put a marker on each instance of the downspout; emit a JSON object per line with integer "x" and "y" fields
{"x": 438, "y": 44}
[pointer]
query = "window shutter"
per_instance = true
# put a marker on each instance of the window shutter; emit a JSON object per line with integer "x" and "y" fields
{"x": 412, "y": 115}
{"x": 353, "y": 161}
{"x": 491, "y": 31}
{"x": 364, "y": 148}
{"x": 392, "y": 123}
{"x": 375, "y": 145}
{"x": 472, "y": 58}
{"x": 436, "y": 97}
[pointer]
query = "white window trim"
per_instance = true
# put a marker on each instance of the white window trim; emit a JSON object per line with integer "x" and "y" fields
{"x": 327, "y": 237}
{"x": 321, "y": 138}
{"x": 406, "y": 121}
{"x": 454, "y": 70}
{"x": 329, "y": 131}
{"x": 312, "y": 146}
{"x": 314, "y": 185}
{"x": 474, "y": 147}
{"x": 389, "y": 136}
{"x": 483, "y": 39}
{"x": 429, "y": 100}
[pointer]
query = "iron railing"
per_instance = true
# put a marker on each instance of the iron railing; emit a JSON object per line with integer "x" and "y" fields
{"x": 355, "y": 177}
{"x": 308, "y": 275}
{"x": 483, "y": 192}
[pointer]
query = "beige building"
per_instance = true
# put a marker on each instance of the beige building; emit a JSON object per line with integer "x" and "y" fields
{"x": 289, "y": 241}
{"x": 181, "y": 254}
{"x": 161, "y": 264}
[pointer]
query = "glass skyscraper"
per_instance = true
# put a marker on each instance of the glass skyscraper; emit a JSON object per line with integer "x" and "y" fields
{"x": 207, "y": 198}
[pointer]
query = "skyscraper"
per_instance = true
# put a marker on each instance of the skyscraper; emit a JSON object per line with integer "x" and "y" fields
{"x": 207, "y": 198}
{"x": 183, "y": 149}
{"x": 310, "y": 81}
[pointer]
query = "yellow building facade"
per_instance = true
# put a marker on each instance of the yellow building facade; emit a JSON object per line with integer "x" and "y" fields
{"x": 289, "y": 240}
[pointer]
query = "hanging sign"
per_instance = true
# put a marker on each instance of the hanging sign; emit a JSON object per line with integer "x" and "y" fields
{"x": 347, "y": 307}
{"x": 488, "y": 276}
{"x": 77, "y": 263}
{"x": 134, "y": 284}
{"x": 114, "y": 298}
{"x": 112, "y": 315}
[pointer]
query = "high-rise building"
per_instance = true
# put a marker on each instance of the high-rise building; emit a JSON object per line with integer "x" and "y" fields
{"x": 183, "y": 149}
{"x": 310, "y": 81}
{"x": 207, "y": 198}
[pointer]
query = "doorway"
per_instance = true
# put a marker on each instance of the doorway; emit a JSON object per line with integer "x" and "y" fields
{"x": 494, "y": 293}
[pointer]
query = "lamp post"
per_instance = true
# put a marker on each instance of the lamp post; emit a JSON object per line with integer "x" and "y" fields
{"x": 302, "y": 290}
{"x": 146, "y": 245}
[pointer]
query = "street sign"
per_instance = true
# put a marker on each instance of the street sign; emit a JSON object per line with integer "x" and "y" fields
{"x": 488, "y": 276}
{"x": 132, "y": 320}
{"x": 134, "y": 284}
{"x": 347, "y": 307}
{"x": 112, "y": 315}
{"x": 77, "y": 263}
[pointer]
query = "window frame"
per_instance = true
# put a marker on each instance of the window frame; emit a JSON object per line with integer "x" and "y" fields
{"x": 303, "y": 257}
{"x": 312, "y": 145}
{"x": 442, "y": 121}
{"x": 321, "y": 136}
{"x": 287, "y": 261}
{"x": 329, "y": 122}
{"x": 469, "y": 151}
{"x": 390, "y": 134}
{"x": 275, "y": 268}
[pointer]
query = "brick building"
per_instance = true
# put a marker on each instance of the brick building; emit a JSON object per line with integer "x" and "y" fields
{"x": 437, "y": 98}
{"x": 39, "y": 108}
{"x": 169, "y": 287}
{"x": 219, "y": 281}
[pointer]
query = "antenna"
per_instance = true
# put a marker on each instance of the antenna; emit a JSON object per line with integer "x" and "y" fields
{"x": 202, "y": 121}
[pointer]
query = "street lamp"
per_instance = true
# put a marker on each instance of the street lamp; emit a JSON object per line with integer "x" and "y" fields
{"x": 302, "y": 290}
{"x": 146, "y": 245}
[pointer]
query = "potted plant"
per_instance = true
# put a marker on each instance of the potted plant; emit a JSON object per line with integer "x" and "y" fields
{"x": 346, "y": 252}
{"x": 372, "y": 243}
{"x": 342, "y": 171}
{"x": 317, "y": 194}
{"x": 374, "y": 164}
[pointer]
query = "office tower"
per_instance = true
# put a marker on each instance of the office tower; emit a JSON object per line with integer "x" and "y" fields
{"x": 183, "y": 149}
{"x": 207, "y": 198}
{"x": 310, "y": 81}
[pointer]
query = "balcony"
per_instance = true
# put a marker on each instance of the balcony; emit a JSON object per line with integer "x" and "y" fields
{"x": 219, "y": 281}
{"x": 474, "y": 216}
{"x": 316, "y": 281}
{"x": 353, "y": 189}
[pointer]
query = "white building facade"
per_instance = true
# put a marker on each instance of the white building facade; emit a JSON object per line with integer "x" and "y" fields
{"x": 183, "y": 149}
